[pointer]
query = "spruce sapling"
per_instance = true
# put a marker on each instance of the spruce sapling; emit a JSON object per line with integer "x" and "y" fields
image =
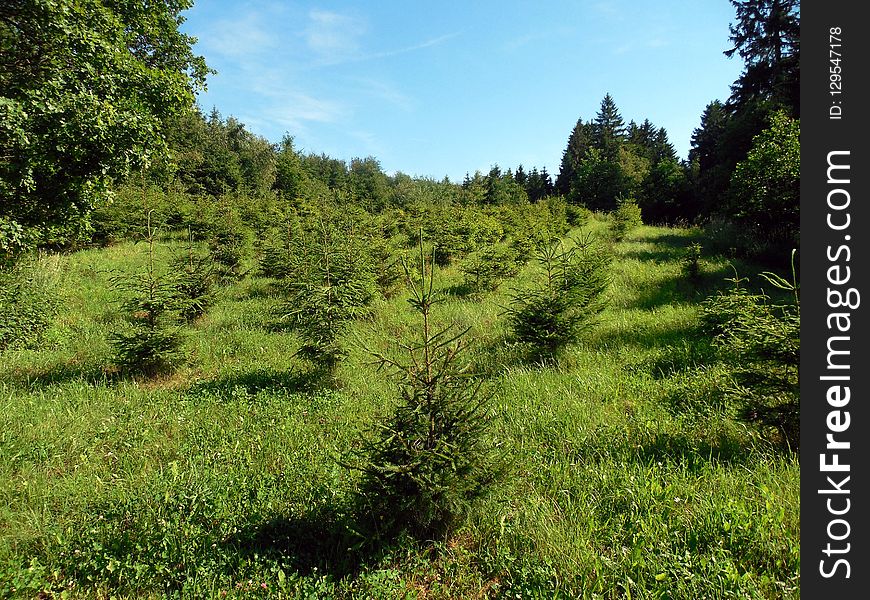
{"x": 429, "y": 460}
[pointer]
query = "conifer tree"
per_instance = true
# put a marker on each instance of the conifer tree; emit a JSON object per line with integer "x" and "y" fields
{"x": 428, "y": 462}
{"x": 151, "y": 343}
{"x": 574, "y": 154}
{"x": 564, "y": 302}
{"x": 608, "y": 129}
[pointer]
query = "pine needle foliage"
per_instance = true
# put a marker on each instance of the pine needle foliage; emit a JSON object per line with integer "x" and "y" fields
{"x": 333, "y": 283}
{"x": 565, "y": 301}
{"x": 429, "y": 460}
{"x": 151, "y": 342}
{"x": 485, "y": 269}
{"x": 760, "y": 339}
{"x": 195, "y": 278}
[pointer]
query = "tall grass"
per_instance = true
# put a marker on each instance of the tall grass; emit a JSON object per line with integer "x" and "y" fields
{"x": 628, "y": 474}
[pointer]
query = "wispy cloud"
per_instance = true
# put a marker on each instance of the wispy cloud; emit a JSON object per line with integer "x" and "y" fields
{"x": 333, "y": 37}
{"x": 241, "y": 38}
{"x": 383, "y": 91}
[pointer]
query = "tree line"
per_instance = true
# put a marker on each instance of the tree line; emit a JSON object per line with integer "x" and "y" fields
{"x": 96, "y": 93}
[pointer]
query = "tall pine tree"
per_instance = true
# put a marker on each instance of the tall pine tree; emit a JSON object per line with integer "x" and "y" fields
{"x": 578, "y": 143}
{"x": 766, "y": 35}
{"x": 608, "y": 129}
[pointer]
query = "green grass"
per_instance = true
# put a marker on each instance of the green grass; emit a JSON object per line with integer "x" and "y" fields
{"x": 627, "y": 476}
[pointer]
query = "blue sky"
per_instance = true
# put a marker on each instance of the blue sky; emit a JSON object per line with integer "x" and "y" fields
{"x": 446, "y": 88}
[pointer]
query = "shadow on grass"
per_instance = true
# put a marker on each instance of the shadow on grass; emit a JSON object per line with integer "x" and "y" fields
{"x": 228, "y": 387}
{"x": 655, "y": 335}
{"x": 322, "y": 540}
{"x": 678, "y": 289}
{"x": 96, "y": 375}
{"x": 694, "y": 453}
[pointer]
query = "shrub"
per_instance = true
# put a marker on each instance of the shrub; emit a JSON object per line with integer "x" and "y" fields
{"x": 557, "y": 309}
{"x": 429, "y": 460}
{"x": 692, "y": 263}
{"x": 27, "y": 303}
{"x": 151, "y": 343}
{"x": 761, "y": 341}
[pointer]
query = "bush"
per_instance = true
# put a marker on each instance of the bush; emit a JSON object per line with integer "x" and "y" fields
{"x": 554, "y": 312}
{"x": 761, "y": 341}
{"x": 692, "y": 263}
{"x": 28, "y": 303}
{"x": 764, "y": 196}
{"x": 429, "y": 461}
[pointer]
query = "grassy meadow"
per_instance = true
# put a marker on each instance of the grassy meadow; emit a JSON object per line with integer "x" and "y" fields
{"x": 626, "y": 475}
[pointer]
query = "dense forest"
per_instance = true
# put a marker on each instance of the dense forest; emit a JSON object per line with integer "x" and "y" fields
{"x": 235, "y": 368}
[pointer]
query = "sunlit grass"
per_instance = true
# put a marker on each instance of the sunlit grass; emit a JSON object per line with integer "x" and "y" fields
{"x": 622, "y": 479}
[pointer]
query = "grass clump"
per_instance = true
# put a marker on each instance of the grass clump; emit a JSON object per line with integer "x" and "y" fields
{"x": 28, "y": 303}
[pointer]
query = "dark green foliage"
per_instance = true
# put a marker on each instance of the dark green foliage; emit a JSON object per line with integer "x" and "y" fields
{"x": 333, "y": 281}
{"x": 87, "y": 90}
{"x": 625, "y": 218}
{"x": 692, "y": 263}
{"x": 228, "y": 242}
{"x": 485, "y": 269}
{"x": 760, "y": 339}
{"x": 766, "y": 35}
{"x": 764, "y": 197}
{"x": 194, "y": 278}
{"x": 428, "y": 460}
{"x": 27, "y": 304}
{"x": 564, "y": 303}
{"x": 151, "y": 342}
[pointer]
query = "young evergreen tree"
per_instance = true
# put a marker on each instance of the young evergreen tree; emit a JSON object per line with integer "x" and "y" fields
{"x": 334, "y": 283}
{"x": 564, "y": 302}
{"x": 761, "y": 341}
{"x": 151, "y": 342}
{"x": 195, "y": 278}
{"x": 429, "y": 460}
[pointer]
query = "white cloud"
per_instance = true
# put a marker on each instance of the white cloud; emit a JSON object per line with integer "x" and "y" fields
{"x": 240, "y": 39}
{"x": 333, "y": 37}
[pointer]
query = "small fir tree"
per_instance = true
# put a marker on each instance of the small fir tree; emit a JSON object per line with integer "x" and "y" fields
{"x": 151, "y": 343}
{"x": 333, "y": 284}
{"x": 761, "y": 341}
{"x": 429, "y": 461}
{"x": 195, "y": 278}
{"x": 485, "y": 269}
{"x": 565, "y": 302}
